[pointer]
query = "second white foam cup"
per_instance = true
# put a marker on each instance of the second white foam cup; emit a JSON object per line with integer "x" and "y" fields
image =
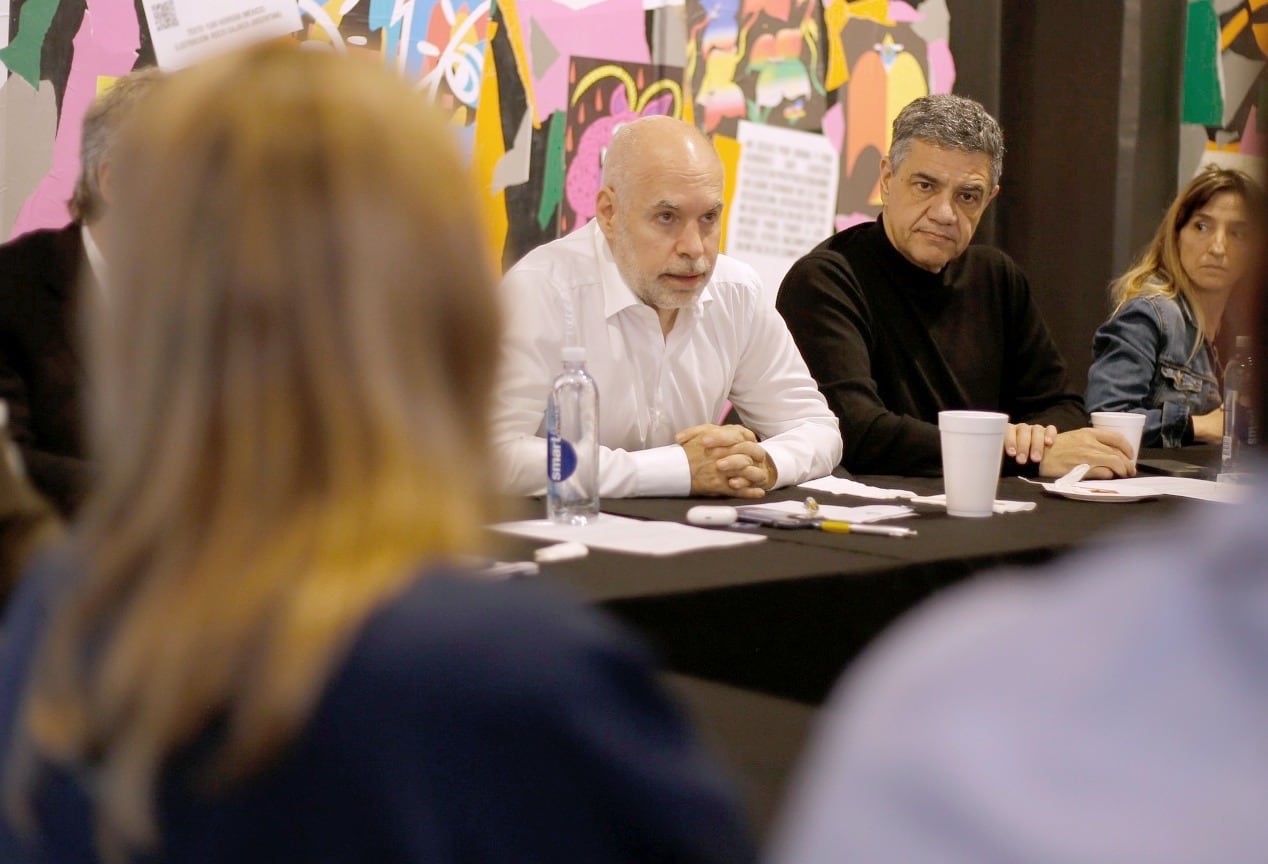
{"x": 1126, "y": 423}
{"x": 972, "y": 450}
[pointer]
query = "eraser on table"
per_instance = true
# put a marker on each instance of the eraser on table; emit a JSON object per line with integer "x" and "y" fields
{"x": 712, "y": 515}
{"x": 560, "y": 552}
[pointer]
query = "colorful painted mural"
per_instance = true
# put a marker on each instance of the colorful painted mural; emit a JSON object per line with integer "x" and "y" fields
{"x": 534, "y": 87}
{"x": 1225, "y": 85}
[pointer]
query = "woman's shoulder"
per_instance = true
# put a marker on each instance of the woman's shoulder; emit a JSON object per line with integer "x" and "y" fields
{"x": 1157, "y": 303}
{"x": 451, "y": 628}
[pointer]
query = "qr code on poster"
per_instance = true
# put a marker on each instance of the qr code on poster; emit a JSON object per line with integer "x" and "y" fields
{"x": 163, "y": 15}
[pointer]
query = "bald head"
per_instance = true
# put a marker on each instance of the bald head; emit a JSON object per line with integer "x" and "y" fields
{"x": 660, "y": 209}
{"x": 654, "y": 143}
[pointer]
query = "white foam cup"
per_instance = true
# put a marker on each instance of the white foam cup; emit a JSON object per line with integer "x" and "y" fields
{"x": 972, "y": 451}
{"x": 1126, "y": 423}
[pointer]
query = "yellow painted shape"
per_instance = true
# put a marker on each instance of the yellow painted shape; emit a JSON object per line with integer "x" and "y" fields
{"x": 487, "y": 148}
{"x": 836, "y": 14}
{"x": 907, "y": 82}
{"x": 1234, "y": 28}
{"x": 729, "y": 152}
{"x": 872, "y": 10}
{"x": 334, "y": 9}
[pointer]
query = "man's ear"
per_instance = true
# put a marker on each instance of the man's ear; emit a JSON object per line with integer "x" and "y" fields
{"x": 887, "y": 174}
{"x": 605, "y": 210}
{"x": 991, "y": 197}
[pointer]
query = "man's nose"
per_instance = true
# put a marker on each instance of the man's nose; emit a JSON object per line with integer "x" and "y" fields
{"x": 942, "y": 210}
{"x": 690, "y": 241}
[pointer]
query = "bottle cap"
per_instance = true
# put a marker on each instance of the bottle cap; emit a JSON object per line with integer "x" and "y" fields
{"x": 1242, "y": 341}
{"x": 574, "y": 353}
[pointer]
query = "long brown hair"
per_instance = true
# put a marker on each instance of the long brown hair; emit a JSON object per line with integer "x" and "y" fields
{"x": 290, "y": 382}
{"x": 1158, "y": 271}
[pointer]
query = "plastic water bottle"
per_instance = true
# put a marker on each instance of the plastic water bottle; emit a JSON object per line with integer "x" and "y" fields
{"x": 572, "y": 443}
{"x": 1241, "y": 416}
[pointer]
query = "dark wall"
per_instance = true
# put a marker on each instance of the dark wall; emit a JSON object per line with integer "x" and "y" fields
{"x": 1088, "y": 93}
{"x": 975, "y": 43}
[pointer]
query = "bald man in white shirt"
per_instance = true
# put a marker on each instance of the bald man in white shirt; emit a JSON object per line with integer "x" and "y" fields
{"x": 672, "y": 331}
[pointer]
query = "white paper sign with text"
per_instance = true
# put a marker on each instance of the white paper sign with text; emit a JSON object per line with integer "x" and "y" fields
{"x": 186, "y": 31}
{"x": 785, "y": 199}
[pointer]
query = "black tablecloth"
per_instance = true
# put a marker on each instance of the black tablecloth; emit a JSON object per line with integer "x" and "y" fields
{"x": 785, "y": 616}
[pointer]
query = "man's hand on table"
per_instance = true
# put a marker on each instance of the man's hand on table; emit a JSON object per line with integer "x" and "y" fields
{"x": 1028, "y": 442}
{"x": 726, "y": 460}
{"x": 1105, "y": 450}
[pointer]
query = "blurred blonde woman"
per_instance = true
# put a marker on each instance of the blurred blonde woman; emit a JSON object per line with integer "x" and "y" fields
{"x": 257, "y": 648}
{"x": 1155, "y": 355}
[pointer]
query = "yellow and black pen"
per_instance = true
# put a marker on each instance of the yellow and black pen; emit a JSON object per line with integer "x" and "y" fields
{"x": 835, "y": 527}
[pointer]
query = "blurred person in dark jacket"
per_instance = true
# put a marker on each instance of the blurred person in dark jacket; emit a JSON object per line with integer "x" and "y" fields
{"x": 43, "y": 275}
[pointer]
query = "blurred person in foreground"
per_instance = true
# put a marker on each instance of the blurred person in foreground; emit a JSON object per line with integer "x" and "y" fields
{"x": 46, "y": 276}
{"x": 1109, "y": 710}
{"x": 1156, "y": 353}
{"x": 28, "y": 521}
{"x": 258, "y": 645}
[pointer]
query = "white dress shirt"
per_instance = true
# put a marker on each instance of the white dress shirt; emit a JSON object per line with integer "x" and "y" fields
{"x": 729, "y": 345}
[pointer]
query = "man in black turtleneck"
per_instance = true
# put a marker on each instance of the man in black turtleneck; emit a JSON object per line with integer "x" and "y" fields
{"x": 900, "y": 318}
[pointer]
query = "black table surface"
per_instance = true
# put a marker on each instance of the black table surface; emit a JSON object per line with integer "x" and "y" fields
{"x": 785, "y": 616}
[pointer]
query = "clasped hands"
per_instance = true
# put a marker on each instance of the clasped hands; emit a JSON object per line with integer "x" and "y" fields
{"x": 1106, "y": 451}
{"x": 727, "y": 461}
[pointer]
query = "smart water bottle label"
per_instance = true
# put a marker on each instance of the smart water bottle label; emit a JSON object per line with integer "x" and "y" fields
{"x": 561, "y": 458}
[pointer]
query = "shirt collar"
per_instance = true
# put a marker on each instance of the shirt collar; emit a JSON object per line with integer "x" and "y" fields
{"x": 617, "y": 295}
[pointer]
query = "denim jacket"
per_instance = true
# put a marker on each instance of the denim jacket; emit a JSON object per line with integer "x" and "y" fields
{"x": 1141, "y": 362}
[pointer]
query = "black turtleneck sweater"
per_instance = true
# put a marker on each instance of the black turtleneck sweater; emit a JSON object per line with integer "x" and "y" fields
{"x": 891, "y": 345}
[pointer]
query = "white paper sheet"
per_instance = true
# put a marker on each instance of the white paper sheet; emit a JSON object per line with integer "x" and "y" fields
{"x": 186, "y": 31}
{"x": 1136, "y": 487}
{"x": 633, "y": 536}
{"x": 842, "y": 486}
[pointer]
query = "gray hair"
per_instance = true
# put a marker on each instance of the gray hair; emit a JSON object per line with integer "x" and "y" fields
{"x": 952, "y": 122}
{"x": 102, "y": 122}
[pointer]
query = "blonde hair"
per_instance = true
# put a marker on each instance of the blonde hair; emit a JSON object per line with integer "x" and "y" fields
{"x": 1158, "y": 271}
{"x": 290, "y": 383}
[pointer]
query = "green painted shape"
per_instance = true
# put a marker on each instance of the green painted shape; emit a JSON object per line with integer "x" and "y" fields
{"x": 22, "y": 55}
{"x": 553, "y": 182}
{"x": 1202, "y": 102}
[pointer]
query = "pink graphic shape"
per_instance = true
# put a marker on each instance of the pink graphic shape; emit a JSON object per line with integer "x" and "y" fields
{"x": 941, "y": 67}
{"x": 106, "y": 44}
{"x": 834, "y": 126}
{"x": 1252, "y": 143}
{"x": 602, "y": 30}
{"x": 585, "y": 173}
{"x": 903, "y": 13}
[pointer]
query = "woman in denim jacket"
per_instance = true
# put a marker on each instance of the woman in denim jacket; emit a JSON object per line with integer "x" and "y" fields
{"x": 1155, "y": 355}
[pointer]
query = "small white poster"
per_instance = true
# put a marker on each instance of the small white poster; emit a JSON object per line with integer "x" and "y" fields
{"x": 785, "y": 199}
{"x": 186, "y": 31}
